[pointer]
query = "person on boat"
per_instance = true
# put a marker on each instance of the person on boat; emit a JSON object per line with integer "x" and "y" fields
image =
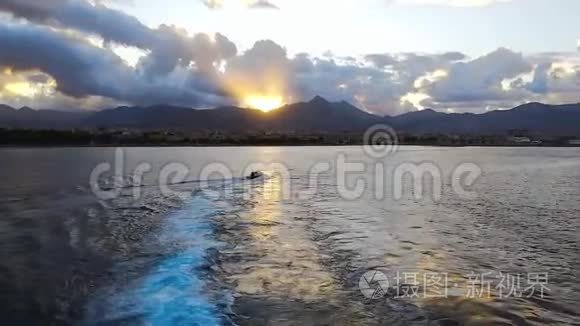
{"x": 254, "y": 175}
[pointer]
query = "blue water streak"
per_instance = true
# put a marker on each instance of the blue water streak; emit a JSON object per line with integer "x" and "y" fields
{"x": 172, "y": 293}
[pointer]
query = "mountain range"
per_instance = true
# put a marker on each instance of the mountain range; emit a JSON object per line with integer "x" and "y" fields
{"x": 317, "y": 115}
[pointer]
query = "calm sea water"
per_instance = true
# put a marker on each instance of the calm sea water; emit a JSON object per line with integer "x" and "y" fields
{"x": 255, "y": 253}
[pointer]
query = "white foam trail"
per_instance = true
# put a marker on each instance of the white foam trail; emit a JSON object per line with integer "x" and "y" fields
{"x": 172, "y": 293}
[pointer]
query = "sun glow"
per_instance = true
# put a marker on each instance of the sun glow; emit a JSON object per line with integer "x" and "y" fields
{"x": 264, "y": 103}
{"x": 20, "y": 88}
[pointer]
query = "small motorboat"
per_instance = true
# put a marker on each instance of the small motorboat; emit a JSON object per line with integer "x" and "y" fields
{"x": 254, "y": 175}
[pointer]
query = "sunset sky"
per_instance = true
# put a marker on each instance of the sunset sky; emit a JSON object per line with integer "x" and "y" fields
{"x": 385, "y": 56}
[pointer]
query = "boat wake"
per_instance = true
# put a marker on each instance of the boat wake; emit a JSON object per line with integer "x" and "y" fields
{"x": 173, "y": 291}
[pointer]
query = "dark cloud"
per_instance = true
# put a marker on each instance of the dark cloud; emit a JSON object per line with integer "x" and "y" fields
{"x": 263, "y": 4}
{"x": 264, "y": 55}
{"x": 406, "y": 69}
{"x": 480, "y": 79}
{"x": 168, "y": 45}
{"x": 112, "y": 25}
{"x": 213, "y": 4}
{"x": 423, "y": 62}
{"x": 411, "y": 66}
{"x": 179, "y": 68}
{"x": 504, "y": 79}
{"x": 33, "y": 9}
{"x": 256, "y": 4}
{"x": 265, "y": 68}
{"x": 553, "y": 81}
{"x": 381, "y": 60}
{"x": 38, "y": 78}
{"x": 453, "y": 56}
{"x": 81, "y": 69}
{"x": 174, "y": 48}
{"x": 373, "y": 89}
{"x": 541, "y": 79}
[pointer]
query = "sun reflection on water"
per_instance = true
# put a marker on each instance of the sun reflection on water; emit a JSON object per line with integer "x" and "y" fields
{"x": 288, "y": 262}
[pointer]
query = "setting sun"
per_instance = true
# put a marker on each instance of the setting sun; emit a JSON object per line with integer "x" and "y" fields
{"x": 264, "y": 103}
{"x": 20, "y": 89}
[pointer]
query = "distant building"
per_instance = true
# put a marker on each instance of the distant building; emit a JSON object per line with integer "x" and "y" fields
{"x": 574, "y": 142}
{"x": 520, "y": 140}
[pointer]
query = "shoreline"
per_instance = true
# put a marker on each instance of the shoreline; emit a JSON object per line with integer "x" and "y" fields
{"x": 3, "y": 146}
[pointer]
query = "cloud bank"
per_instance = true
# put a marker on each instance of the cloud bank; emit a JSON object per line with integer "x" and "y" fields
{"x": 453, "y": 3}
{"x": 251, "y": 4}
{"x": 64, "y": 54}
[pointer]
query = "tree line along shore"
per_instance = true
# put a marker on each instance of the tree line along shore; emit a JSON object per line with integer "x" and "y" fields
{"x": 34, "y": 137}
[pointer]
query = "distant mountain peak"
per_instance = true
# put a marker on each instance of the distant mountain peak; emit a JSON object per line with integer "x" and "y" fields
{"x": 422, "y": 113}
{"x": 4, "y": 107}
{"x": 530, "y": 105}
{"x": 319, "y": 100}
{"x": 318, "y": 115}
